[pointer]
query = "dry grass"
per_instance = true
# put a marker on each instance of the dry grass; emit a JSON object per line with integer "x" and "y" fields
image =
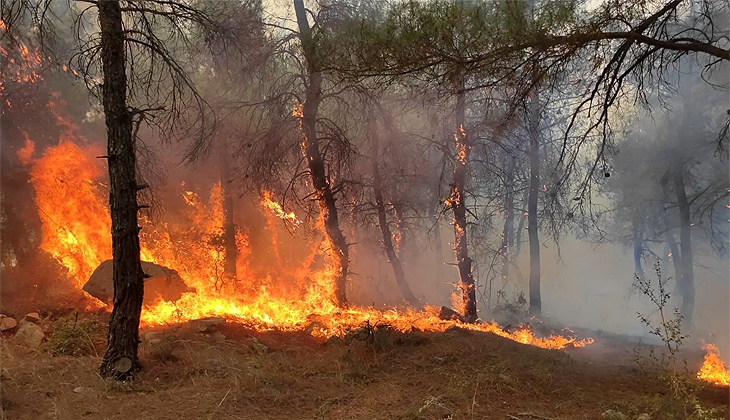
{"x": 457, "y": 375}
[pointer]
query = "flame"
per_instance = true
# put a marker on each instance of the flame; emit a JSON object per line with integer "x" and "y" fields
{"x": 277, "y": 210}
{"x": 713, "y": 370}
{"x": 291, "y": 294}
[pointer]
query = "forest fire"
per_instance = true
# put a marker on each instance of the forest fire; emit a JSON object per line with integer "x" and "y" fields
{"x": 713, "y": 370}
{"x": 297, "y": 295}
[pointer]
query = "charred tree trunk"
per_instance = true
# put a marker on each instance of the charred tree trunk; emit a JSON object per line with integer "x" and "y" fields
{"x": 120, "y": 358}
{"x": 434, "y": 217}
{"x": 400, "y": 277}
{"x": 458, "y": 205}
{"x": 532, "y": 225}
{"x": 509, "y": 218}
{"x": 310, "y": 146}
{"x": 399, "y": 227}
{"x": 687, "y": 285}
{"x": 676, "y": 260}
{"x": 229, "y": 227}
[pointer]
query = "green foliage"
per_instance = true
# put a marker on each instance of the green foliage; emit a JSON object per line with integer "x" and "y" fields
{"x": 72, "y": 336}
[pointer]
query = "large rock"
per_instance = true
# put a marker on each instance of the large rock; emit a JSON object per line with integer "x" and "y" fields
{"x": 30, "y": 335}
{"x": 7, "y": 323}
{"x": 163, "y": 283}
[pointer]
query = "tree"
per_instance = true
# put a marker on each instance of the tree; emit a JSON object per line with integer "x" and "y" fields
{"x": 310, "y": 147}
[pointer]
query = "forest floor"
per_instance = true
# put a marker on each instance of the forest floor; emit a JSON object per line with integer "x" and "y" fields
{"x": 236, "y": 373}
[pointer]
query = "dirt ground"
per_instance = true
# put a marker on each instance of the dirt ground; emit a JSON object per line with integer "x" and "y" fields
{"x": 236, "y": 373}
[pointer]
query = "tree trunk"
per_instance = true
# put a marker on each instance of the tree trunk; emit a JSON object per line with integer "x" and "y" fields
{"x": 310, "y": 147}
{"x": 229, "y": 227}
{"x": 638, "y": 251}
{"x": 534, "y": 155}
{"x": 687, "y": 285}
{"x": 400, "y": 277}
{"x": 456, "y": 201}
{"x": 120, "y": 358}
{"x": 509, "y": 218}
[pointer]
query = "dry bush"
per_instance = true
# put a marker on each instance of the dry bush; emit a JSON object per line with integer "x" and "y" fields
{"x": 74, "y": 336}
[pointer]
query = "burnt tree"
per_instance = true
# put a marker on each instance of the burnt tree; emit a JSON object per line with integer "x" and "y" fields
{"x": 457, "y": 203}
{"x": 310, "y": 147}
{"x": 395, "y": 262}
{"x": 532, "y": 223}
{"x": 120, "y": 358}
{"x": 685, "y": 282}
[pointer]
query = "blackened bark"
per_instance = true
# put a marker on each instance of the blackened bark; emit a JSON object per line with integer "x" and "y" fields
{"x": 434, "y": 217}
{"x": 229, "y": 227}
{"x": 508, "y": 234}
{"x": 532, "y": 225}
{"x": 400, "y": 276}
{"x": 310, "y": 147}
{"x": 120, "y": 358}
{"x": 687, "y": 284}
{"x": 458, "y": 206}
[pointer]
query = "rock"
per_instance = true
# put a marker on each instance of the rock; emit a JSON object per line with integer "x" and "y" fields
{"x": 164, "y": 283}
{"x": 613, "y": 415}
{"x": 33, "y": 317}
{"x": 7, "y": 323}
{"x": 218, "y": 336}
{"x": 644, "y": 416}
{"x": 81, "y": 390}
{"x": 448, "y": 314}
{"x": 207, "y": 324}
{"x": 29, "y": 335}
{"x": 257, "y": 346}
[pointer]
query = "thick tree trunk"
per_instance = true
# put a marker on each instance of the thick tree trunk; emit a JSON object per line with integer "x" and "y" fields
{"x": 458, "y": 205}
{"x": 676, "y": 260}
{"x": 229, "y": 227}
{"x": 120, "y": 358}
{"x": 532, "y": 226}
{"x": 687, "y": 285}
{"x": 400, "y": 277}
{"x": 310, "y": 147}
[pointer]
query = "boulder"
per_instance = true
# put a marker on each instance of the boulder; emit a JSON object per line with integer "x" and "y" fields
{"x": 33, "y": 317}
{"x": 7, "y": 323}
{"x": 163, "y": 282}
{"x": 29, "y": 335}
{"x": 207, "y": 324}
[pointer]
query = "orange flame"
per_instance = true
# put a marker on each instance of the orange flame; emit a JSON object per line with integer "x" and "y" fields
{"x": 298, "y": 295}
{"x": 713, "y": 370}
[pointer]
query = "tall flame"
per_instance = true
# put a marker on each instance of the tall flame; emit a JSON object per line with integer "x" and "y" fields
{"x": 713, "y": 370}
{"x": 292, "y": 294}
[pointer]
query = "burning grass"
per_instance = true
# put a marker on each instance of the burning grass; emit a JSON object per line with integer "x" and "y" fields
{"x": 713, "y": 369}
{"x": 292, "y": 294}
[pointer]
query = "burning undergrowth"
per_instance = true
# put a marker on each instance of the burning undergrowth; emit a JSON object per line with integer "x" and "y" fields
{"x": 292, "y": 289}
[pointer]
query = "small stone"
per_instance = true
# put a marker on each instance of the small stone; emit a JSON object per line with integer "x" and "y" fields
{"x": 151, "y": 336}
{"x": 257, "y": 346}
{"x": 7, "y": 323}
{"x": 613, "y": 415}
{"x": 207, "y": 324}
{"x": 644, "y": 416}
{"x": 80, "y": 390}
{"x": 33, "y": 317}
{"x": 29, "y": 335}
{"x": 218, "y": 336}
